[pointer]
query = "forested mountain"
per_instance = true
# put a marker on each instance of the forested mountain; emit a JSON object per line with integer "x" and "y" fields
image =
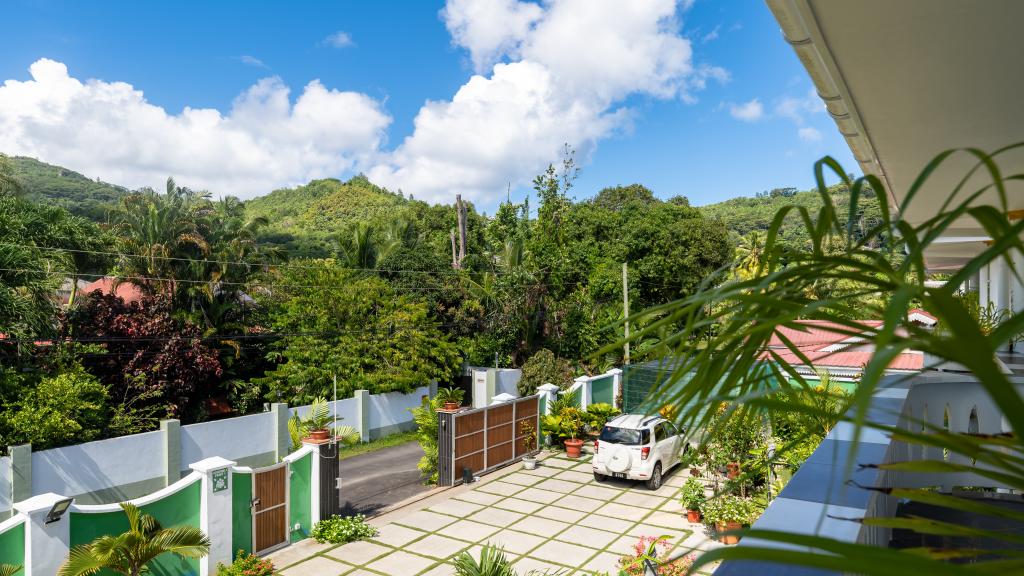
{"x": 58, "y": 186}
{"x": 746, "y": 214}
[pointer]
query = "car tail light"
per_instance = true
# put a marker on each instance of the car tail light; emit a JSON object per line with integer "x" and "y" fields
{"x": 645, "y": 452}
{"x": 595, "y": 446}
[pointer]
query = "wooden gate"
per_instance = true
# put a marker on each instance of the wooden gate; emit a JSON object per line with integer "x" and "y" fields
{"x": 270, "y": 508}
{"x": 485, "y": 438}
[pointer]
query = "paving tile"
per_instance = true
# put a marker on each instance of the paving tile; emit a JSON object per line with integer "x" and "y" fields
{"x": 584, "y": 467}
{"x": 597, "y": 492}
{"x": 397, "y": 536}
{"x": 560, "y": 514}
{"x": 666, "y": 520}
{"x": 537, "y": 495}
{"x": 622, "y": 511}
{"x": 477, "y": 497}
{"x": 543, "y": 470}
{"x": 426, "y": 521}
{"x": 605, "y": 523}
{"x": 400, "y": 562}
{"x": 624, "y": 545}
{"x": 558, "y": 486}
{"x": 673, "y": 506}
{"x": 540, "y": 526}
{"x": 516, "y": 542}
{"x": 497, "y": 517}
{"x": 560, "y": 463}
{"x": 603, "y": 562}
{"x": 563, "y": 553}
{"x": 676, "y": 536}
{"x": 588, "y": 537}
{"x": 499, "y": 487}
{"x": 579, "y": 503}
{"x": 575, "y": 476}
{"x": 357, "y": 572}
{"x": 358, "y": 553}
{"x": 440, "y": 570}
{"x": 437, "y": 546}
{"x": 469, "y": 531}
{"x": 643, "y": 500}
{"x": 298, "y": 552}
{"x": 524, "y": 565}
{"x": 517, "y": 505}
{"x": 677, "y": 479}
{"x": 455, "y": 508}
{"x": 319, "y": 566}
{"x": 666, "y": 491}
{"x": 520, "y": 478}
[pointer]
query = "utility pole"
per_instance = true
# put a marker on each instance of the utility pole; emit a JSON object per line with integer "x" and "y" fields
{"x": 625, "y": 308}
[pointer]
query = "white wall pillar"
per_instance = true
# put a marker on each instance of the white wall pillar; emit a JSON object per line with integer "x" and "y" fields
{"x": 215, "y": 511}
{"x": 616, "y": 387}
{"x": 1016, "y": 283}
{"x": 550, "y": 393}
{"x": 363, "y": 414}
{"x": 46, "y": 545}
{"x": 983, "y": 298}
{"x": 999, "y": 284}
{"x": 314, "y": 476}
{"x": 585, "y": 391}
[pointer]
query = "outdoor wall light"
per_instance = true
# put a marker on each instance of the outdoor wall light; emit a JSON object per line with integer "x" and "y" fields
{"x": 58, "y": 510}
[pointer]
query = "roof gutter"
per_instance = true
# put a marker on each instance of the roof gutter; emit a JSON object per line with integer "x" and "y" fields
{"x": 801, "y": 30}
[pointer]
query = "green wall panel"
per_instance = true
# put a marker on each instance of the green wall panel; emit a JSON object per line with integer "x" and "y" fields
{"x": 300, "y": 496}
{"x": 241, "y": 513}
{"x": 603, "y": 390}
{"x": 12, "y": 546}
{"x": 179, "y": 509}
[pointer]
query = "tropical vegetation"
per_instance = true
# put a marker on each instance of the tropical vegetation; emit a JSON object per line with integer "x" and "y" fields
{"x": 342, "y": 529}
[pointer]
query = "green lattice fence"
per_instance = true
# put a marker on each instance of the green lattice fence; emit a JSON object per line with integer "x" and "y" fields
{"x": 603, "y": 390}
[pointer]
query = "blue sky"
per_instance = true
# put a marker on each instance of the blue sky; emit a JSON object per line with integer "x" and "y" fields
{"x": 736, "y": 118}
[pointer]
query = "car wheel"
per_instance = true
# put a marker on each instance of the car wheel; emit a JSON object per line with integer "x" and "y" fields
{"x": 598, "y": 477}
{"x": 655, "y": 482}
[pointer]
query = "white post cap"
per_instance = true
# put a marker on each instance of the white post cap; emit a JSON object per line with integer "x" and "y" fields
{"x": 208, "y": 465}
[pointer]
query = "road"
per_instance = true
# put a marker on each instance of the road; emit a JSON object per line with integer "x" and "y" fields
{"x": 373, "y": 481}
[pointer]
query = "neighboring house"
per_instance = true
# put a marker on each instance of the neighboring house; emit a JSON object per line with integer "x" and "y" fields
{"x": 838, "y": 354}
{"x": 126, "y": 290}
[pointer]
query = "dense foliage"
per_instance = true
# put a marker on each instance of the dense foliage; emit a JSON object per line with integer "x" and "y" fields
{"x": 340, "y": 530}
{"x": 59, "y": 187}
{"x": 246, "y": 564}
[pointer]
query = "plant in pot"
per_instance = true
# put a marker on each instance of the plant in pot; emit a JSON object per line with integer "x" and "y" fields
{"x": 693, "y": 498}
{"x": 572, "y": 426}
{"x": 450, "y": 398}
{"x": 727, "y": 513}
{"x": 529, "y": 437}
{"x": 598, "y": 415}
{"x": 316, "y": 426}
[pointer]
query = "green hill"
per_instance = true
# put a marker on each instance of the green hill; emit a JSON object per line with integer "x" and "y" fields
{"x": 56, "y": 185}
{"x": 746, "y": 214}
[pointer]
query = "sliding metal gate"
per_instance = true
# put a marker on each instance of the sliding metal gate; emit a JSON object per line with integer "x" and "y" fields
{"x": 484, "y": 439}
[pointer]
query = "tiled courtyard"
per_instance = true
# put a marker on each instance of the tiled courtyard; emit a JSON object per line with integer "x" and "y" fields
{"x": 553, "y": 517}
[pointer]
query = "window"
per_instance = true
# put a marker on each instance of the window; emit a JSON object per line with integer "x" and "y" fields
{"x": 626, "y": 436}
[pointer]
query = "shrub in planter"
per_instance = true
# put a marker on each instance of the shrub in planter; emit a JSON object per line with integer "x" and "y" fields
{"x": 727, "y": 512}
{"x": 451, "y": 398}
{"x": 529, "y": 437}
{"x": 566, "y": 425}
{"x": 599, "y": 414}
{"x": 338, "y": 530}
{"x": 246, "y": 564}
{"x": 693, "y": 498}
{"x": 657, "y": 550}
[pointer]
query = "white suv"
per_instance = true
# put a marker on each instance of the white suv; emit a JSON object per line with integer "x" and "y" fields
{"x": 638, "y": 447}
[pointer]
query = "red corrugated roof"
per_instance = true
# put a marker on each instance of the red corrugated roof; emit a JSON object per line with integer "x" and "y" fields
{"x": 824, "y": 346}
{"x": 126, "y": 290}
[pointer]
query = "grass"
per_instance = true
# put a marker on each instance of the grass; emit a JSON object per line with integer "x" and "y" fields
{"x": 378, "y": 444}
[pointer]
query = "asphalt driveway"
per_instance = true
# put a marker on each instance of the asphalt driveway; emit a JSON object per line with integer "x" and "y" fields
{"x": 374, "y": 481}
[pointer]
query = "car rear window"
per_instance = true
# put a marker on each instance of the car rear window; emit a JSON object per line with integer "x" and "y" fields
{"x": 626, "y": 436}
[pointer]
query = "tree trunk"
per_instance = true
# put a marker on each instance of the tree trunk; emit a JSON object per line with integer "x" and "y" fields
{"x": 460, "y": 208}
{"x": 455, "y": 254}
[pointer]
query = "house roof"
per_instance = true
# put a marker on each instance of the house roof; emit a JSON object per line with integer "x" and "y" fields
{"x": 125, "y": 290}
{"x": 826, "y": 345}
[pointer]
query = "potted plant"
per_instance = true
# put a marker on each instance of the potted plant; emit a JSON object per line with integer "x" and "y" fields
{"x": 572, "y": 426}
{"x": 727, "y": 513}
{"x": 316, "y": 426}
{"x": 529, "y": 433}
{"x": 450, "y": 398}
{"x": 693, "y": 498}
{"x": 598, "y": 415}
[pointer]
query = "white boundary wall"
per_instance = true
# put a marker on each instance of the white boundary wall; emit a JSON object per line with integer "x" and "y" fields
{"x": 232, "y": 438}
{"x": 5, "y": 486}
{"x": 390, "y": 412}
{"x": 99, "y": 465}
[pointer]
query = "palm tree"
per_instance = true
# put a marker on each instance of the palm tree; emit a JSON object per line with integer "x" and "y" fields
{"x": 9, "y": 569}
{"x": 749, "y": 255}
{"x": 131, "y": 552}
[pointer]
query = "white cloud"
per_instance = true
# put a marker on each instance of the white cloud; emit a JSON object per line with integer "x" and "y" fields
{"x": 809, "y": 134}
{"x": 710, "y": 36}
{"x": 339, "y": 39}
{"x": 797, "y": 108}
{"x": 748, "y": 111}
{"x": 251, "y": 61}
{"x": 563, "y": 70}
{"x": 109, "y": 130}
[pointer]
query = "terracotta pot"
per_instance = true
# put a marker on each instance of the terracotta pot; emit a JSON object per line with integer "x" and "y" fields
{"x": 319, "y": 435}
{"x": 572, "y": 448}
{"x": 692, "y": 516}
{"x": 733, "y": 469}
{"x": 695, "y": 472}
{"x": 452, "y": 406}
{"x": 727, "y": 527}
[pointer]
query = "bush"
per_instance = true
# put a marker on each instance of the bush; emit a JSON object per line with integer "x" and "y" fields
{"x": 246, "y": 564}
{"x": 599, "y": 414}
{"x": 657, "y": 550}
{"x": 425, "y": 417}
{"x": 544, "y": 368}
{"x": 692, "y": 495}
{"x": 725, "y": 508}
{"x": 338, "y": 530}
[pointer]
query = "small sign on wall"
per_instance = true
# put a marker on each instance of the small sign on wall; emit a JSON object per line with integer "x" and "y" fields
{"x": 220, "y": 480}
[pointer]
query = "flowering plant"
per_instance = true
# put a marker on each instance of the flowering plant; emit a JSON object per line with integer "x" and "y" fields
{"x": 246, "y": 565}
{"x": 657, "y": 551}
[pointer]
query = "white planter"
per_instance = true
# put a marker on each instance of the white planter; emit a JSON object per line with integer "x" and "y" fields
{"x": 529, "y": 463}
